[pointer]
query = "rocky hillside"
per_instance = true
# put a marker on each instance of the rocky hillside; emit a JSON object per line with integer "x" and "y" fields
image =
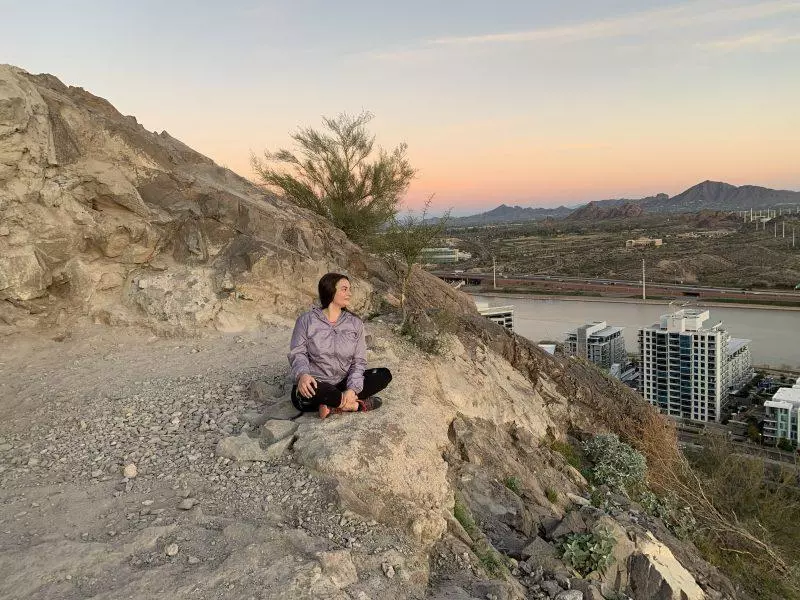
{"x": 708, "y": 195}
{"x": 717, "y": 195}
{"x": 594, "y": 211}
{"x": 145, "y": 466}
{"x": 510, "y": 214}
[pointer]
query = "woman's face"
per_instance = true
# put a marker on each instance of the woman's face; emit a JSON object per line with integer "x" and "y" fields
{"x": 342, "y": 296}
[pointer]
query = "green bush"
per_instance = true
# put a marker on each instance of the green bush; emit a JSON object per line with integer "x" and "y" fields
{"x": 587, "y": 552}
{"x": 463, "y": 515}
{"x": 551, "y": 494}
{"x": 615, "y": 464}
{"x": 491, "y": 559}
{"x": 568, "y": 452}
{"x": 676, "y": 516}
{"x": 514, "y": 484}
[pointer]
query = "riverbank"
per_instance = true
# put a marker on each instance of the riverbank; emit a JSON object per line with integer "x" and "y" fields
{"x": 623, "y": 300}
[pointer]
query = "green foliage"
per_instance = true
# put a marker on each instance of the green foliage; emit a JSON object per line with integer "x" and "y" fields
{"x": 786, "y": 445}
{"x": 427, "y": 341}
{"x": 402, "y": 242}
{"x": 753, "y": 434}
{"x": 615, "y": 464}
{"x": 340, "y": 175}
{"x": 587, "y": 552}
{"x": 568, "y": 452}
{"x": 463, "y": 515}
{"x": 552, "y": 494}
{"x": 491, "y": 560}
{"x": 514, "y": 484}
{"x": 678, "y": 517}
{"x": 753, "y": 535}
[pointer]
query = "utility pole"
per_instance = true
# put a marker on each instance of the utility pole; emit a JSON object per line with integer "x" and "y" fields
{"x": 644, "y": 295}
{"x": 494, "y": 274}
{"x": 776, "y": 229}
{"x": 783, "y": 229}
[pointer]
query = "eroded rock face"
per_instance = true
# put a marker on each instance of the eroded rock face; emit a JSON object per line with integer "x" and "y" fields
{"x": 103, "y": 218}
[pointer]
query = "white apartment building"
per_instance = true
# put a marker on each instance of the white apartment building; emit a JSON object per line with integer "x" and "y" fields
{"x": 443, "y": 255}
{"x": 502, "y": 315}
{"x": 598, "y": 342}
{"x": 689, "y": 369}
{"x": 782, "y": 416}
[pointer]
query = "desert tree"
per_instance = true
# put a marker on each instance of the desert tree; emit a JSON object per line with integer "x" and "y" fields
{"x": 340, "y": 174}
{"x": 402, "y": 243}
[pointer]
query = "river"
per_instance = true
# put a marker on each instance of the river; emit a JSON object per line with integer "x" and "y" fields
{"x": 775, "y": 334}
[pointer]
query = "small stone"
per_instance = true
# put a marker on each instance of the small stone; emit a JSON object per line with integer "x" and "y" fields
{"x": 187, "y": 503}
{"x": 130, "y": 471}
{"x": 275, "y": 430}
{"x": 570, "y": 595}
{"x": 580, "y": 500}
{"x": 193, "y": 560}
{"x": 388, "y": 570}
{"x": 97, "y": 473}
{"x": 172, "y": 549}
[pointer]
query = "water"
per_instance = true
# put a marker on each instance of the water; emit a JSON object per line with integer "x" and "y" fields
{"x": 775, "y": 334}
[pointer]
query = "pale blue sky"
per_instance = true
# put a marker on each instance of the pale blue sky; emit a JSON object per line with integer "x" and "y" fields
{"x": 535, "y": 103}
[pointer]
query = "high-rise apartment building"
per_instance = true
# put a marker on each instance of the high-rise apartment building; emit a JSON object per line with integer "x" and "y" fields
{"x": 687, "y": 368}
{"x": 782, "y": 416}
{"x": 599, "y": 343}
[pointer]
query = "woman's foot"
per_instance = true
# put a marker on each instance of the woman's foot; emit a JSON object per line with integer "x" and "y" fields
{"x": 370, "y": 403}
{"x": 324, "y": 411}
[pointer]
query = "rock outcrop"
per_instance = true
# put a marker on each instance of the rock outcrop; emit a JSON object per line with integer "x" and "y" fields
{"x": 101, "y": 217}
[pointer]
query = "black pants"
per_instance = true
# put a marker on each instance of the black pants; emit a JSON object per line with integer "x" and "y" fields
{"x": 374, "y": 381}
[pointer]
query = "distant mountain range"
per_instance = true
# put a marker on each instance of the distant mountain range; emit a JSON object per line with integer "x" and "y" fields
{"x": 708, "y": 195}
{"x": 512, "y": 214}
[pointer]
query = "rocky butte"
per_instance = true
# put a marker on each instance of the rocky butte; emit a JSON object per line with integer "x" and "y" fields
{"x": 147, "y": 446}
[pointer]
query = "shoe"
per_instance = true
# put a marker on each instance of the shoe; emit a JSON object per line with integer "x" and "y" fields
{"x": 326, "y": 411}
{"x": 370, "y": 403}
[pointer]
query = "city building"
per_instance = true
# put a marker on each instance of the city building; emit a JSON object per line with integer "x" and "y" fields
{"x": 502, "y": 315}
{"x": 739, "y": 364}
{"x": 688, "y": 369}
{"x": 598, "y": 342}
{"x": 782, "y": 418}
{"x": 644, "y": 241}
{"x": 443, "y": 255}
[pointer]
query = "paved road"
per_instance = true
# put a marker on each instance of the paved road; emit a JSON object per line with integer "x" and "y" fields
{"x": 619, "y": 287}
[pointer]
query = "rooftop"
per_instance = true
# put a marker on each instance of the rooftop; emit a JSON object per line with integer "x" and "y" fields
{"x": 736, "y": 344}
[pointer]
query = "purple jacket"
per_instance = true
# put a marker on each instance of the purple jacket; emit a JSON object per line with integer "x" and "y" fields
{"x": 329, "y": 351}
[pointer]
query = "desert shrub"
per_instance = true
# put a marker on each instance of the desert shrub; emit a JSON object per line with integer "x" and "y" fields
{"x": 463, "y": 515}
{"x": 552, "y": 494}
{"x": 676, "y": 515}
{"x": 587, "y": 552}
{"x": 568, "y": 452}
{"x": 615, "y": 463}
{"x": 514, "y": 484}
{"x": 428, "y": 341}
{"x": 491, "y": 559}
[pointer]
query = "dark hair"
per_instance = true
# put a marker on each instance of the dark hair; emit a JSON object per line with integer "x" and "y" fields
{"x": 327, "y": 287}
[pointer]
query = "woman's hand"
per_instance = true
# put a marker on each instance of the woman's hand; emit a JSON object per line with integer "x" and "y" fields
{"x": 349, "y": 401}
{"x": 306, "y": 385}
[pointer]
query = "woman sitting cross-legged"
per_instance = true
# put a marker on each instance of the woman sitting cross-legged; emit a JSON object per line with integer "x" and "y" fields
{"x": 328, "y": 356}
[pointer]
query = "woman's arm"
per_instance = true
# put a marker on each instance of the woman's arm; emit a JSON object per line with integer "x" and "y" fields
{"x": 298, "y": 348}
{"x": 355, "y": 376}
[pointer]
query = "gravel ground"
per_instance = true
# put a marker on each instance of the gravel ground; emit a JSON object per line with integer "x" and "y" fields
{"x": 79, "y": 407}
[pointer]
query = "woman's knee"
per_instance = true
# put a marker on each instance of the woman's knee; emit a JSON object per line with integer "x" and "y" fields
{"x": 382, "y": 374}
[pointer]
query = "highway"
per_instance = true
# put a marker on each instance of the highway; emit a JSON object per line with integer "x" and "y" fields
{"x": 618, "y": 287}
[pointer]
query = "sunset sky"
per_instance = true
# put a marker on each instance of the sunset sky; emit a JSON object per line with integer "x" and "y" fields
{"x": 519, "y": 102}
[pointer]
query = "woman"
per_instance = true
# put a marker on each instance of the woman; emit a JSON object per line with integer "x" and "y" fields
{"x": 328, "y": 356}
